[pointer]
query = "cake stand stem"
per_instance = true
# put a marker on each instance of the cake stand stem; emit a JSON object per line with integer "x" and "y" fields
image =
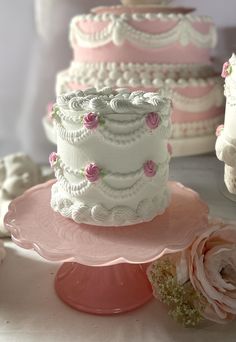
{"x": 105, "y": 290}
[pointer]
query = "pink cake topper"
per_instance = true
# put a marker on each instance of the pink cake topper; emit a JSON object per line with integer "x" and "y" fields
{"x": 92, "y": 172}
{"x": 150, "y": 168}
{"x": 91, "y": 121}
{"x": 53, "y": 158}
{"x": 227, "y": 69}
{"x": 153, "y": 120}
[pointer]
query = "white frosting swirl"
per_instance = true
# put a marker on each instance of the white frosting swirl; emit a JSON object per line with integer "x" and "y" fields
{"x": 114, "y": 102}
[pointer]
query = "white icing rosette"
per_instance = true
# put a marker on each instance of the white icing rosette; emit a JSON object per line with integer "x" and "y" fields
{"x": 200, "y": 282}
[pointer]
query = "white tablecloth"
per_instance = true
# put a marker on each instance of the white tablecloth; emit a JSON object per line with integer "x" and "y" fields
{"x": 31, "y": 311}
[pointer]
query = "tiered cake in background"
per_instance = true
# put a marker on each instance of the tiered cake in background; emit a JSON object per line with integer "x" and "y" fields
{"x": 112, "y": 160}
{"x": 152, "y": 47}
{"x": 226, "y": 141}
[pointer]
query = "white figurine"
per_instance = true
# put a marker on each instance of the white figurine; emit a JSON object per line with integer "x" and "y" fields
{"x": 18, "y": 172}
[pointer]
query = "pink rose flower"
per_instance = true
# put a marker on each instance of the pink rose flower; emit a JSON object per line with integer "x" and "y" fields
{"x": 150, "y": 168}
{"x": 211, "y": 264}
{"x": 153, "y": 120}
{"x": 53, "y": 158}
{"x": 227, "y": 69}
{"x": 91, "y": 121}
{"x": 92, "y": 172}
{"x": 219, "y": 130}
{"x": 169, "y": 149}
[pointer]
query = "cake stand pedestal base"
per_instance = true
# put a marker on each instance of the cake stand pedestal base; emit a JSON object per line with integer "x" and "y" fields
{"x": 103, "y": 290}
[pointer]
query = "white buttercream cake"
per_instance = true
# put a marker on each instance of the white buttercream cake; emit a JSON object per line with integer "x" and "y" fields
{"x": 226, "y": 141}
{"x": 141, "y": 46}
{"x": 112, "y": 160}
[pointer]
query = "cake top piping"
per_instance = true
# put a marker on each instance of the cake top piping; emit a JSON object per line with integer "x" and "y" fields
{"x": 111, "y": 101}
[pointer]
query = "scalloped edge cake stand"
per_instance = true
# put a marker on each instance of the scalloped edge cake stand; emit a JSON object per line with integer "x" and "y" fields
{"x": 104, "y": 269}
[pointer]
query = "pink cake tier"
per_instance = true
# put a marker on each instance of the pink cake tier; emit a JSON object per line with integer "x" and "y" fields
{"x": 150, "y": 49}
{"x": 142, "y": 38}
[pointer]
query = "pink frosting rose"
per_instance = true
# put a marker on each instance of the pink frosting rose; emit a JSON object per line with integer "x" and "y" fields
{"x": 91, "y": 121}
{"x": 226, "y": 70}
{"x": 53, "y": 158}
{"x": 150, "y": 168}
{"x": 211, "y": 264}
{"x": 219, "y": 130}
{"x": 153, "y": 120}
{"x": 92, "y": 172}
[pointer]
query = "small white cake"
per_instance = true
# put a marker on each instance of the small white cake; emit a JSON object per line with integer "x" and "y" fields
{"x": 226, "y": 141}
{"x": 112, "y": 160}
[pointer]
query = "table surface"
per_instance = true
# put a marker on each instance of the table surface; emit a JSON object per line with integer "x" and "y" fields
{"x": 31, "y": 311}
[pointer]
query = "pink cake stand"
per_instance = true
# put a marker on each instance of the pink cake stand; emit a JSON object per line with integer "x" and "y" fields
{"x": 120, "y": 283}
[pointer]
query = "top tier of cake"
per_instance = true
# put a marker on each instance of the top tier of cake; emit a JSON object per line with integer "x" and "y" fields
{"x": 112, "y": 157}
{"x": 158, "y": 37}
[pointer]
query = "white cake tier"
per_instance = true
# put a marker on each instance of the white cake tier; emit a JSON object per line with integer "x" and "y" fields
{"x": 226, "y": 141}
{"x": 112, "y": 162}
{"x": 196, "y": 93}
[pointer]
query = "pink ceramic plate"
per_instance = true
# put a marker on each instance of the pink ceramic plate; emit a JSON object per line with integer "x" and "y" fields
{"x": 34, "y": 225}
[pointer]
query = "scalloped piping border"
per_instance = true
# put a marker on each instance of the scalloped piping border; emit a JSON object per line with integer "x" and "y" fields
{"x": 179, "y": 130}
{"x": 117, "y": 70}
{"x": 122, "y": 140}
{"x": 118, "y": 31}
{"x": 197, "y": 128}
{"x": 107, "y": 190}
{"x": 141, "y": 17}
{"x": 146, "y": 210}
{"x": 66, "y": 76}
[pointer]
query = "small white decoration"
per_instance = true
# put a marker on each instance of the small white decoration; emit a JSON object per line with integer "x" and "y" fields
{"x": 17, "y": 174}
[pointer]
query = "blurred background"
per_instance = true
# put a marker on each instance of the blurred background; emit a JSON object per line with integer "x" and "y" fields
{"x": 35, "y": 46}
